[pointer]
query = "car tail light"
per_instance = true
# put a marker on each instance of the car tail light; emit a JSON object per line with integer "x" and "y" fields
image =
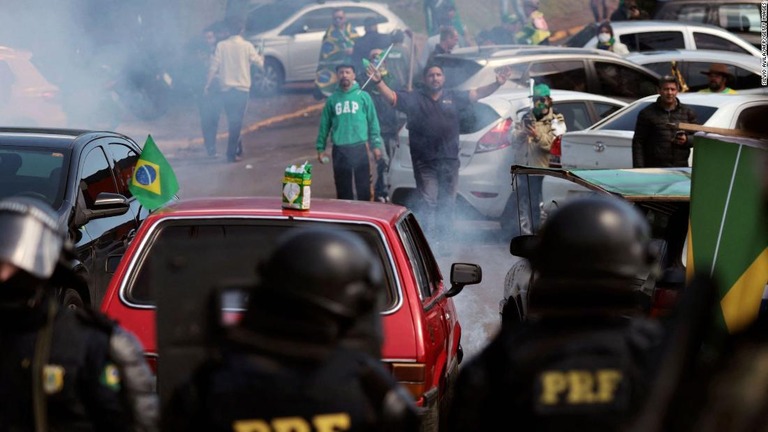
{"x": 412, "y": 376}
{"x": 497, "y": 138}
{"x": 555, "y": 152}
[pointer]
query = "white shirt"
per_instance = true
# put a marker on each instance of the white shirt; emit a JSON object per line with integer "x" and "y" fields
{"x": 232, "y": 62}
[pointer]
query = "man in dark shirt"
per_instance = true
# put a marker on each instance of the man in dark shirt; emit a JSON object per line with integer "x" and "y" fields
{"x": 657, "y": 141}
{"x": 371, "y": 40}
{"x": 433, "y": 128}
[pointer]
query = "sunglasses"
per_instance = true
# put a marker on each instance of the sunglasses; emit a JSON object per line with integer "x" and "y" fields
{"x": 338, "y": 18}
{"x": 540, "y": 99}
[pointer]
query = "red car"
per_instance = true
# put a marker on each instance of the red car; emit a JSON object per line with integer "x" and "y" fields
{"x": 421, "y": 328}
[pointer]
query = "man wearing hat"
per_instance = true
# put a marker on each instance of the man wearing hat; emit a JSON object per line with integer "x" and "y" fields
{"x": 505, "y": 34}
{"x": 719, "y": 75}
{"x": 534, "y": 135}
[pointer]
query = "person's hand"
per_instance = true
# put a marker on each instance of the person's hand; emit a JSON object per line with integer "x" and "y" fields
{"x": 377, "y": 153}
{"x": 373, "y": 73}
{"x": 503, "y": 74}
{"x": 322, "y": 157}
{"x": 681, "y": 139}
{"x": 531, "y": 128}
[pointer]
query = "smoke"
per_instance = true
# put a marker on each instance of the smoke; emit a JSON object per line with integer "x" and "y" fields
{"x": 108, "y": 58}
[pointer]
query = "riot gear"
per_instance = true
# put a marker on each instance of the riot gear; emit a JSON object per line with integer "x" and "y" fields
{"x": 318, "y": 286}
{"x": 330, "y": 270}
{"x": 31, "y": 238}
{"x": 592, "y": 252}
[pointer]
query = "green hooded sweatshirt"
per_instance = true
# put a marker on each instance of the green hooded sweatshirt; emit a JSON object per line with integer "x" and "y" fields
{"x": 350, "y": 117}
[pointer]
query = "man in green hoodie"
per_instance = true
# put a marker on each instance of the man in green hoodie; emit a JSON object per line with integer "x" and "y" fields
{"x": 350, "y": 118}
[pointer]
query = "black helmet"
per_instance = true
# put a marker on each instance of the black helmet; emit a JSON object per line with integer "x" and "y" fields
{"x": 320, "y": 287}
{"x": 592, "y": 252}
{"x": 332, "y": 270}
{"x": 30, "y": 236}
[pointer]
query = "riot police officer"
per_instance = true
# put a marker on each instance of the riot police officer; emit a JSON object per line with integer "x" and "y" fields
{"x": 583, "y": 357}
{"x": 60, "y": 369}
{"x": 292, "y": 361}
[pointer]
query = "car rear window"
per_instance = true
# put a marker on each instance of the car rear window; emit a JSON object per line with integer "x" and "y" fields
{"x": 653, "y": 41}
{"x": 477, "y": 117}
{"x": 625, "y": 120}
{"x": 244, "y": 243}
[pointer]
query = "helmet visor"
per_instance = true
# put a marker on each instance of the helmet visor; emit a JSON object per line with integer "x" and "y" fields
{"x": 30, "y": 243}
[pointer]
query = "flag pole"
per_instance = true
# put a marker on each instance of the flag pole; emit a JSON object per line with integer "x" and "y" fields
{"x": 378, "y": 65}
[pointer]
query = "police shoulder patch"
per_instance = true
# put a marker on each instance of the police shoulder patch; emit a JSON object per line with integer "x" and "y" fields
{"x": 110, "y": 377}
{"x": 53, "y": 378}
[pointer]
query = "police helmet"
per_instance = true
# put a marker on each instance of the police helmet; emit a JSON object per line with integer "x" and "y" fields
{"x": 30, "y": 236}
{"x": 592, "y": 251}
{"x": 329, "y": 270}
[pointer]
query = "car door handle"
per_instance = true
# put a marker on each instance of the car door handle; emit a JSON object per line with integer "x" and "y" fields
{"x": 599, "y": 146}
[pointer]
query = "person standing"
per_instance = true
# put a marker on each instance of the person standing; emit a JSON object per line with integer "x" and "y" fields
{"x": 534, "y": 136}
{"x": 536, "y": 30}
{"x": 629, "y": 10}
{"x": 336, "y": 48}
{"x": 289, "y": 364}
{"x": 449, "y": 39}
{"x": 349, "y": 116}
{"x": 231, "y": 64}
{"x": 370, "y": 40}
{"x": 433, "y": 132}
{"x": 718, "y": 75}
{"x": 388, "y": 122}
{"x": 585, "y": 356}
{"x": 209, "y": 103}
{"x": 657, "y": 142}
{"x": 61, "y": 369}
{"x": 505, "y": 34}
{"x": 606, "y": 40}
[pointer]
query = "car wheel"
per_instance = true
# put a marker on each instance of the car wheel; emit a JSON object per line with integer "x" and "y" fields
{"x": 71, "y": 299}
{"x": 270, "y": 80}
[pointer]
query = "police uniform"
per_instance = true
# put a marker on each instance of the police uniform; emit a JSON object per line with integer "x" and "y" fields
{"x": 60, "y": 369}
{"x": 305, "y": 356}
{"x": 82, "y": 380}
{"x": 585, "y": 356}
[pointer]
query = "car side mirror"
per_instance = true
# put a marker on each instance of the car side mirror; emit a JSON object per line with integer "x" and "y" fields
{"x": 463, "y": 274}
{"x": 106, "y": 204}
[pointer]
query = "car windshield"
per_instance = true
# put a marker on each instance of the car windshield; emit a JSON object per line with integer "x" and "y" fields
{"x": 33, "y": 172}
{"x": 457, "y": 70}
{"x": 625, "y": 119}
{"x": 239, "y": 245}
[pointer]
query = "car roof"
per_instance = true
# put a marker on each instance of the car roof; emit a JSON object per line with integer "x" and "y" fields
{"x": 505, "y": 51}
{"x": 51, "y": 137}
{"x": 710, "y": 99}
{"x": 745, "y": 60}
{"x": 650, "y": 25}
{"x": 635, "y": 184}
{"x": 320, "y": 209}
{"x": 556, "y": 94}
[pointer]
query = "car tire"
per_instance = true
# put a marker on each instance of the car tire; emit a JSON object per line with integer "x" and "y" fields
{"x": 270, "y": 80}
{"x": 71, "y": 299}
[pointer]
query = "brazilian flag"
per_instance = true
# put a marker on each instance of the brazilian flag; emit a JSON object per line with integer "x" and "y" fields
{"x": 729, "y": 222}
{"x": 153, "y": 182}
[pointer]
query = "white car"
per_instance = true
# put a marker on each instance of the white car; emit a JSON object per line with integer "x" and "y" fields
{"x": 290, "y": 32}
{"x": 608, "y": 143}
{"x": 486, "y": 152}
{"x": 663, "y": 35}
{"x": 746, "y": 69}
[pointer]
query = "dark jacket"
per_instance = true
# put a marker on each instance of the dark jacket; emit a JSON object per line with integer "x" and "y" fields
{"x": 652, "y": 144}
{"x": 558, "y": 375}
{"x": 95, "y": 378}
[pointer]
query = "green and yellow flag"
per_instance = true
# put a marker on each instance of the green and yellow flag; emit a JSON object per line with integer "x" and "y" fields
{"x": 729, "y": 223}
{"x": 153, "y": 182}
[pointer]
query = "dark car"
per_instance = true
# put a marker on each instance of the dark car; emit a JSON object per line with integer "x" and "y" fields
{"x": 84, "y": 175}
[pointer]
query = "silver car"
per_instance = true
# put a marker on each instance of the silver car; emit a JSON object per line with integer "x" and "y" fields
{"x": 486, "y": 152}
{"x": 746, "y": 69}
{"x": 608, "y": 144}
{"x": 664, "y": 35}
{"x": 290, "y": 32}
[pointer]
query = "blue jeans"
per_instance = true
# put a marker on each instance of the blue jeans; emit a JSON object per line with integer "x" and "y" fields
{"x": 235, "y": 104}
{"x": 436, "y": 183}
